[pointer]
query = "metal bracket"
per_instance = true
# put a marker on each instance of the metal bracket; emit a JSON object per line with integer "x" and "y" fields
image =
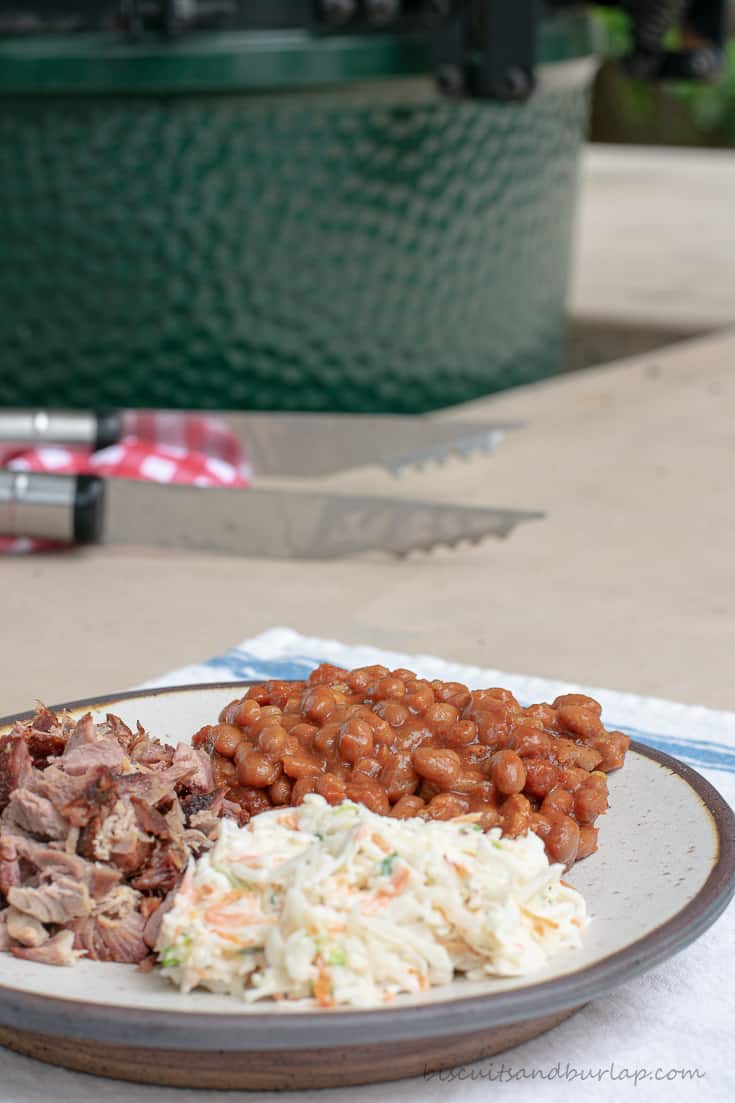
{"x": 487, "y": 48}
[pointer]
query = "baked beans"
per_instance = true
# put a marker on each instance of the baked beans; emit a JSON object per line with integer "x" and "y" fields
{"x": 404, "y": 747}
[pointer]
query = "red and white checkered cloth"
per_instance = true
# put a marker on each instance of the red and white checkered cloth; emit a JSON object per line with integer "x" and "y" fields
{"x": 160, "y": 447}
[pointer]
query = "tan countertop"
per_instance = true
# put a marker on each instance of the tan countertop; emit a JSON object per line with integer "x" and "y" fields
{"x": 655, "y": 243}
{"x": 629, "y": 582}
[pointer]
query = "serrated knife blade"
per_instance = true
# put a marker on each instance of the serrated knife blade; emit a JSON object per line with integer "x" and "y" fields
{"x": 275, "y": 445}
{"x": 312, "y": 445}
{"x": 271, "y": 523}
{"x": 290, "y": 524}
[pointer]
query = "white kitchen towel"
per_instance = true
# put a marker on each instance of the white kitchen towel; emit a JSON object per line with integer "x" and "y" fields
{"x": 666, "y": 1036}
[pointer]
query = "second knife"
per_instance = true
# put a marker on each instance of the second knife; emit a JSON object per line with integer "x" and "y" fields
{"x": 276, "y": 445}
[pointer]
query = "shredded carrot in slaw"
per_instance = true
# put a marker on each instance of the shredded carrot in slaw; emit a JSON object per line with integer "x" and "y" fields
{"x": 349, "y": 908}
{"x": 398, "y": 884}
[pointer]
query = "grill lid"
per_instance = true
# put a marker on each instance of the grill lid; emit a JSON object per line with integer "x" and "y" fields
{"x": 486, "y": 49}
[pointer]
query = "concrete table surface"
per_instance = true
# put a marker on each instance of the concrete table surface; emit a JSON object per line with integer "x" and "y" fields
{"x": 628, "y": 583}
{"x": 655, "y": 242}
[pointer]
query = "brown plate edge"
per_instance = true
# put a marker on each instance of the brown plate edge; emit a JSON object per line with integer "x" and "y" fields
{"x": 281, "y": 1070}
{"x": 191, "y": 1030}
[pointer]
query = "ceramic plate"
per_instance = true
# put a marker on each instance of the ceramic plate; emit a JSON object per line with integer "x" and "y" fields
{"x": 664, "y": 872}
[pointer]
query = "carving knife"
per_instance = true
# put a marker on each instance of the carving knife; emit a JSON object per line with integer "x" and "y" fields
{"x": 267, "y": 523}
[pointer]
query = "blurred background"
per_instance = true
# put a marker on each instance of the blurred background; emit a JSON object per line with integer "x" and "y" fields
{"x": 676, "y": 114}
{"x": 353, "y": 205}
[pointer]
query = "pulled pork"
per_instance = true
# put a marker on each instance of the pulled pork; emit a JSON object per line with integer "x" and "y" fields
{"x": 97, "y": 824}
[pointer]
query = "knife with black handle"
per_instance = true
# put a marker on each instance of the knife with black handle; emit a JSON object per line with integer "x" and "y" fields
{"x": 282, "y": 524}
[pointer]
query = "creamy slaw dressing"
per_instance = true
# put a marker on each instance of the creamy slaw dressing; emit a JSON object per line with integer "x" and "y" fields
{"x": 335, "y": 905}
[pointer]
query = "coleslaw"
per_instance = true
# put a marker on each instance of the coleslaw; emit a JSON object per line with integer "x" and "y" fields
{"x": 337, "y": 906}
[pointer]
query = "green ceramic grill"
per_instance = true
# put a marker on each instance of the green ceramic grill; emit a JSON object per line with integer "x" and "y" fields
{"x": 284, "y": 213}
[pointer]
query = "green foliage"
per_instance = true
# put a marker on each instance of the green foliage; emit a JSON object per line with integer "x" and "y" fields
{"x": 679, "y": 113}
{"x": 617, "y": 30}
{"x": 712, "y": 106}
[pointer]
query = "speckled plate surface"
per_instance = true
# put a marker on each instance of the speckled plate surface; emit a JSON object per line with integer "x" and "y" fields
{"x": 664, "y": 872}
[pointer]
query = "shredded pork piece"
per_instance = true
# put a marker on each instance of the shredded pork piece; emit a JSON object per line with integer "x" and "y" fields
{"x": 97, "y": 827}
{"x": 24, "y": 928}
{"x": 57, "y": 901}
{"x": 35, "y": 814}
{"x": 59, "y": 950}
{"x": 5, "y": 940}
{"x": 16, "y": 766}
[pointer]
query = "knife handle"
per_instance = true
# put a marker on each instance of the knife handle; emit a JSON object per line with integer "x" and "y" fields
{"x": 69, "y": 508}
{"x": 34, "y": 427}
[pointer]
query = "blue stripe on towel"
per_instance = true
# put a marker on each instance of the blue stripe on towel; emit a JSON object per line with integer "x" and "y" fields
{"x": 695, "y": 752}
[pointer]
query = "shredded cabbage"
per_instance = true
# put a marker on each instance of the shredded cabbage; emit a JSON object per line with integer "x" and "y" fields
{"x": 336, "y": 905}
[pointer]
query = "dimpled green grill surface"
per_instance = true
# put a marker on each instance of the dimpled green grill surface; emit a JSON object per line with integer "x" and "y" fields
{"x": 316, "y": 253}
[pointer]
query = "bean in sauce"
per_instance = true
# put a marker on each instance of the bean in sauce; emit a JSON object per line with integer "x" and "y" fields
{"x": 405, "y": 747}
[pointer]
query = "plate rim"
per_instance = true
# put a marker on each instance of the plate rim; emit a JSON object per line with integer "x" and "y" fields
{"x": 332, "y": 1029}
